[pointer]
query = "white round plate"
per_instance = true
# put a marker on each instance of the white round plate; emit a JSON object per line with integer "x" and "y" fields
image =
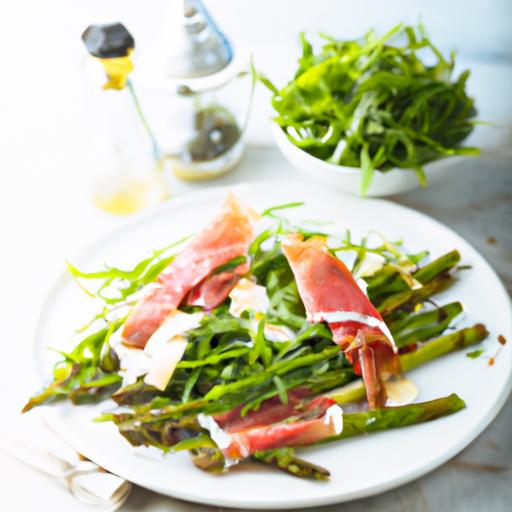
{"x": 360, "y": 466}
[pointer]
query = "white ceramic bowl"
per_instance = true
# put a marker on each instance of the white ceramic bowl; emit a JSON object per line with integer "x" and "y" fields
{"x": 347, "y": 179}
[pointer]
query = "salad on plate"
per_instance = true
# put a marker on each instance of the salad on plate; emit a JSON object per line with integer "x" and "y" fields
{"x": 257, "y": 337}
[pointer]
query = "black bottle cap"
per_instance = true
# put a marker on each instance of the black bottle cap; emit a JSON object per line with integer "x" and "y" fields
{"x": 108, "y": 41}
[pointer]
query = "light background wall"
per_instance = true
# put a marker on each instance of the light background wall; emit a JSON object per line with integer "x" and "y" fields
{"x": 477, "y": 28}
{"x": 40, "y": 53}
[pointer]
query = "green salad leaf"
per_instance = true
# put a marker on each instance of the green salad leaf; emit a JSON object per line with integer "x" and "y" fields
{"x": 376, "y": 103}
{"x": 232, "y": 365}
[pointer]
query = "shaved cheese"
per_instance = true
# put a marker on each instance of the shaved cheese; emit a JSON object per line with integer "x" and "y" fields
{"x": 164, "y": 360}
{"x": 371, "y": 263}
{"x": 334, "y": 317}
{"x": 400, "y": 391}
{"x": 166, "y": 347}
{"x": 334, "y": 416}
{"x": 278, "y": 333}
{"x": 248, "y": 295}
{"x": 133, "y": 362}
{"x": 176, "y": 323}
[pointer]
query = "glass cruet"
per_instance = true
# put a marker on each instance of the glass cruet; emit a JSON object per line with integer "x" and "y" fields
{"x": 197, "y": 92}
{"x": 125, "y": 159}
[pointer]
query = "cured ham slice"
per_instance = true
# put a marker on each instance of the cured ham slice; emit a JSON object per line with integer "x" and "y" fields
{"x": 330, "y": 294}
{"x": 270, "y": 411}
{"x": 307, "y": 422}
{"x": 214, "y": 289}
{"x": 228, "y": 236}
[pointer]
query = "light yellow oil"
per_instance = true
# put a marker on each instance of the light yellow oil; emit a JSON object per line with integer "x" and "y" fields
{"x": 400, "y": 390}
{"x": 123, "y": 195}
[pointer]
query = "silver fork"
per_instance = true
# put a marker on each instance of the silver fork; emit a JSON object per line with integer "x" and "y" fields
{"x": 74, "y": 476}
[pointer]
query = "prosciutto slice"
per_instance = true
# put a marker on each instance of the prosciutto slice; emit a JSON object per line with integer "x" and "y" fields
{"x": 228, "y": 236}
{"x": 307, "y": 421}
{"x": 330, "y": 294}
{"x": 214, "y": 289}
{"x": 269, "y": 412}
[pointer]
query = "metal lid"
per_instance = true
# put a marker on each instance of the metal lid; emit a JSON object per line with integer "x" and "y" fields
{"x": 192, "y": 45}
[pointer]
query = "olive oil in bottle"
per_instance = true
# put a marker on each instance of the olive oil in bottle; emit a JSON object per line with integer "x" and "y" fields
{"x": 126, "y": 162}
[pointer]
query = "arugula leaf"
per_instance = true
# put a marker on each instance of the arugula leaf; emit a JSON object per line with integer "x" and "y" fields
{"x": 269, "y": 212}
{"x": 376, "y": 103}
{"x": 84, "y": 374}
{"x": 475, "y": 353}
{"x": 367, "y": 170}
{"x": 123, "y": 283}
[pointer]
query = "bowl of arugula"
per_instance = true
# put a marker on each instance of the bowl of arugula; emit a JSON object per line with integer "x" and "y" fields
{"x": 374, "y": 116}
